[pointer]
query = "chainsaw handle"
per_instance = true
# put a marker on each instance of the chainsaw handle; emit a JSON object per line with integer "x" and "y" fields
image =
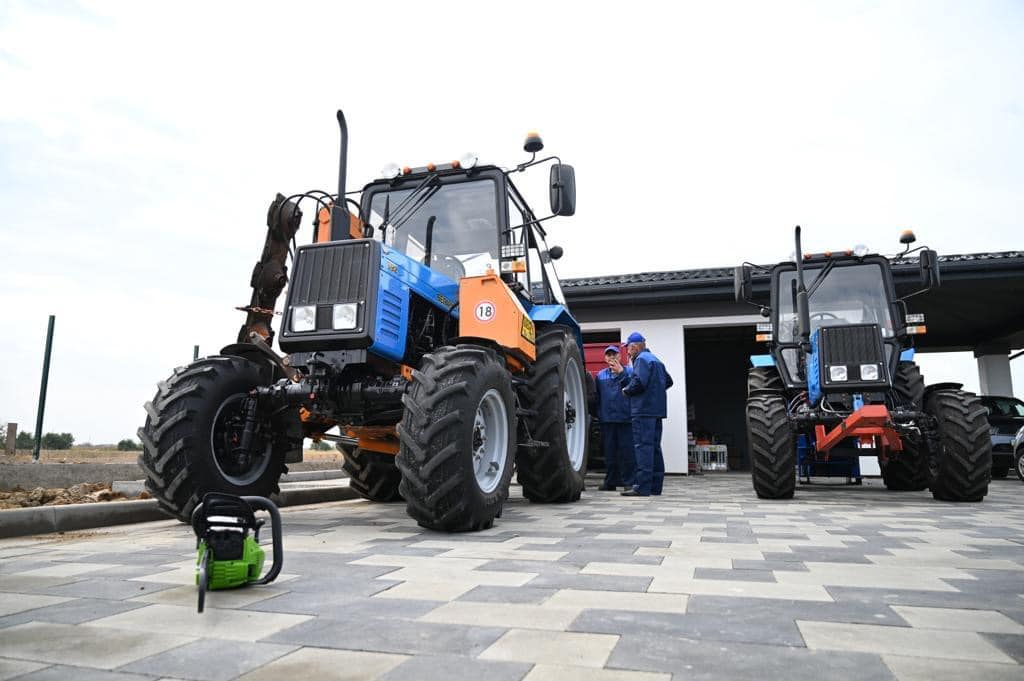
{"x": 267, "y": 505}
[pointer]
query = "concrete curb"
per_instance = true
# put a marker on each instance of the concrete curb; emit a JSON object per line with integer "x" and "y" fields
{"x": 19, "y": 522}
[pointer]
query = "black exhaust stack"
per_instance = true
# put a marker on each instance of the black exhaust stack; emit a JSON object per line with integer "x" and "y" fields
{"x": 340, "y": 217}
{"x": 802, "y": 308}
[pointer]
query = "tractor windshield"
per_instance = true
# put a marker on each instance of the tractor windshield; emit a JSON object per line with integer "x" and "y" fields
{"x": 465, "y": 235}
{"x": 853, "y": 294}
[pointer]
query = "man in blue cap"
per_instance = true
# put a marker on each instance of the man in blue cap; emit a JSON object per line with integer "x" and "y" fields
{"x": 648, "y": 401}
{"x": 614, "y": 416}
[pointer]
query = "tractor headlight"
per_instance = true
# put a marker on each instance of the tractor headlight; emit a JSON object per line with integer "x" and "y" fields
{"x": 869, "y": 372}
{"x": 344, "y": 316}
{"x": 304, "y": 318}
{"x": 837, "y": 373}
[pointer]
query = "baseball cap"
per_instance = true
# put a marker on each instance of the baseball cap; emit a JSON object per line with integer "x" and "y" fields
{"x": 612, "y": 348}
{"x": 635, "y": 337}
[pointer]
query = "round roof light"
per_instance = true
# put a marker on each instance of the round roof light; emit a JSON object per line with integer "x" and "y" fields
{"x": 860, "y": 250}
{"x": 390, "y": 171}
{"x": 468, "y": 160}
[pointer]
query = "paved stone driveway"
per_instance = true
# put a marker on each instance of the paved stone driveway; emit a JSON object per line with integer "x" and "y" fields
{"x": 705, "y": 582}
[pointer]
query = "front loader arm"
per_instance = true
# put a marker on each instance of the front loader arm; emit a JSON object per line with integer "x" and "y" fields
{"x": 270, "y": 274}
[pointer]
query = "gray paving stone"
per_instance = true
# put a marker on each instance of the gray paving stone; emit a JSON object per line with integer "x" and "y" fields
{"x": 736, "y": 575}
{"x": 1011, "y": 644}
{"x": 343, "y": 606}
{"x": 793, "y": 566}
{"x": 590, "y": 582}
{"x": 507, "y": 594}
{"x": 764, "y": 629}
{"x": 450, "y": 668}
{"x": 391, "y": 636}
{"x": 110, "y": 589}
{"x": 740, "y": 661}
{"x": 210, "y": 659}
{"x": 740, "y": 608}
{"x": 62, "y": 673}
{"x": 70, "y": 612}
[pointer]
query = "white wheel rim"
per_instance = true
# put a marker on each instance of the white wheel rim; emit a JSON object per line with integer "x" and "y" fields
{"x": 490, "y": 441}
{"x": 575, "y": 403}
{"x": 1020, "y": 467}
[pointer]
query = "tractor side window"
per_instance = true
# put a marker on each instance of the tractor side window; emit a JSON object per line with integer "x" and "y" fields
{"x": 464, "y": 240}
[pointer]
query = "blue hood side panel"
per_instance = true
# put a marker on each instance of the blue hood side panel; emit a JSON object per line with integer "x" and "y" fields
{"x": 814, "y": 372}
{"x": 556, "y": 314}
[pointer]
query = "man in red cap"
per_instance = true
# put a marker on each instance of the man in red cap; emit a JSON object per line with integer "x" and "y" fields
{"x": 614, "y": 416}
{"x": 648, "y": 402}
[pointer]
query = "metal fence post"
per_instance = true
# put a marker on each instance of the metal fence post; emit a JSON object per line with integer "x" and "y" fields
{"x": 42, "y": 389}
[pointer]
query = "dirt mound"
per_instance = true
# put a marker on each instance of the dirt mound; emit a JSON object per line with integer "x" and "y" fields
{"x": 84, "y": 493}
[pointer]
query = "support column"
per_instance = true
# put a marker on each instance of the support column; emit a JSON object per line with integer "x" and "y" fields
{"x": 994, "y": 372}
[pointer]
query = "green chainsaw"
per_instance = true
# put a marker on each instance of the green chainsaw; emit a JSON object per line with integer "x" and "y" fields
{"x": 227, "y": 555}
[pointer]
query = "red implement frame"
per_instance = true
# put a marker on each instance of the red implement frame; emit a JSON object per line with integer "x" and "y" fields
{"x": 871, "y": 420}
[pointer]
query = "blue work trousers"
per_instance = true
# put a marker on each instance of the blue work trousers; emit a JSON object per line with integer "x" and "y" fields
{"x": 650, "y": 463}
{"x": 619, "y": 455}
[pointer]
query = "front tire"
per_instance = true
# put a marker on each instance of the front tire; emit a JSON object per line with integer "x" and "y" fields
{"x": 908, "y": 470}
{"x": 962, "y": 466}
{"x": 191, "y": 426}
{"x": 457, "y": 439}
{"x": 556, "y": 400}
{"x": 772, "y": 447}
{"x": 373, "y": 475}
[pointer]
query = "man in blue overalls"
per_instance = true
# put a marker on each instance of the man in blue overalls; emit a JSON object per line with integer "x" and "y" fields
{"x": 616, "y": 430}
{"x": 646, "y": 390}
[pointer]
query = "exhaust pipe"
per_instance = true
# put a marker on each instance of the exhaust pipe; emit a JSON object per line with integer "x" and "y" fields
{"x": 340, "y": 217}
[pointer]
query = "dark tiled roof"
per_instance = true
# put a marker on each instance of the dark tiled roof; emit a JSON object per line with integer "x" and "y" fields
{"x": 719, "y": 274}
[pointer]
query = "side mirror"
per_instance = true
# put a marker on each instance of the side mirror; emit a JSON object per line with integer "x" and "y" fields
{"x": 743, "y": 283}
{"x": 929, "y": 260}
{"x": 563, "y": 189}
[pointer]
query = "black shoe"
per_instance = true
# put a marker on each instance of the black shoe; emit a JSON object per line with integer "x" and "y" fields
{"x": 632, "y": 493}
{"x": 606, "y": 488}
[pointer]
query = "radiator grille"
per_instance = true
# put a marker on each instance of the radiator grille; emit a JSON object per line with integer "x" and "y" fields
{"x": 336, "y": 273}
{"x": 859, "y": 344}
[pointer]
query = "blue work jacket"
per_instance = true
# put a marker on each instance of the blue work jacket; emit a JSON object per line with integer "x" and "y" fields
{"x": 612, "y": 405}
{"x": 647, "y": 386}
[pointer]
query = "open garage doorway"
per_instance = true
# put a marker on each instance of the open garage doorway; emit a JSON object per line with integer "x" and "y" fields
{"x": 717, "y": 359}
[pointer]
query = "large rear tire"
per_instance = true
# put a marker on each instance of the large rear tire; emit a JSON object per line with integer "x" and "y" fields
{"x": 556, "y": 400}
{"x": 907, "y": 471}
{"x": 772, "y": 447}
{"x": 373, "y": 475}
{"x": 457, "y": 439}
{"x": 764, "y": 379}
{"x": 961, "y": 468}
{"x": 191, "y": 426}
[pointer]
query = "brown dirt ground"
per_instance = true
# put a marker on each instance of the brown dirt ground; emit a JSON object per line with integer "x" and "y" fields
{"x": 84, "y": 493}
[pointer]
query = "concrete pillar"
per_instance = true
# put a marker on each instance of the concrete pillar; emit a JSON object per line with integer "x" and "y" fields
{"x": 12, "y": 437}
{"x": 994, "y": 373}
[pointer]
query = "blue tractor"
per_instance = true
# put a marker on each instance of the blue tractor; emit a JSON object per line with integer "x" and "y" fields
{"x": 839, "y": 382}
{"x": 425, "y": 323}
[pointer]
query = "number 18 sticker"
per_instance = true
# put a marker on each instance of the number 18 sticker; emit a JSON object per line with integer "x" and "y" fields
{"x": 485, "y": 311}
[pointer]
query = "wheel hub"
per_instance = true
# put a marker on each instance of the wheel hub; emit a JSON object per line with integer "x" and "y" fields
{"x": 490, "y": 441}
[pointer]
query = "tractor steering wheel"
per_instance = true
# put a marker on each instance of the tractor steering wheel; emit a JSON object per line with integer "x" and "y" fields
{"x": 825, "y": 315}
{"x": 448, "y": 265}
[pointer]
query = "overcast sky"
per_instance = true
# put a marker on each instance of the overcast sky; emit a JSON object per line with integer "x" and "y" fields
{"x": 140, "y": 144}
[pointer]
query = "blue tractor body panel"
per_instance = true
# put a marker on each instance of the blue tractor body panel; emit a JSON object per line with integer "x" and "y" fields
{"x": 814, "y": 372}
{"x": 555, "y": 314}
{"x": 400, "y": 278}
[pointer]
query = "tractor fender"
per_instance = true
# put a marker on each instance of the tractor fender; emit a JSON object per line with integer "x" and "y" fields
{"x": 942, "y": 386}
{"x": 253, "y": 354}
{"x": 542, "y": 315}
